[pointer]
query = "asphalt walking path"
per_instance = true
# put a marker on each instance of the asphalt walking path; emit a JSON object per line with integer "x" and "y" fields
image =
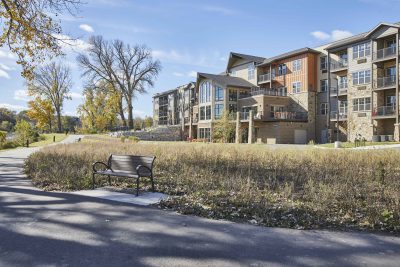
{"x": 40, "y": 228}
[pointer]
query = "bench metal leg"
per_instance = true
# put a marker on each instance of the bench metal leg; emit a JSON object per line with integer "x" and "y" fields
{"x": 137, "y": 187}
{"x": 109, "y": 180}
{"x": 93, "y": 181}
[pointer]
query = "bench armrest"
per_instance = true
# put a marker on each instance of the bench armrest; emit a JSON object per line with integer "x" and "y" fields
{"x": 139, "y": 167}
{"x": 99, "y": 163}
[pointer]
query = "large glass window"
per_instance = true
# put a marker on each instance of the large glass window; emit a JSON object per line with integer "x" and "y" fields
{"x": 219, "y": 93}
{"x": 250, "y": 71}
{"x": 362, "y": 104}
{"x": 218, "y": 110}
{"x": 361, "y": 77}
{"x": 342, "y": 82}
{"x": 296, "y": 65}
{"x": 232, "y": 108}
{"x": 232, "y": 95}
{"x": 205, "y": 92}
{"x": 296, "y": 87}
{"x": 361, "y": 50}
{"x": 390, "y": 100}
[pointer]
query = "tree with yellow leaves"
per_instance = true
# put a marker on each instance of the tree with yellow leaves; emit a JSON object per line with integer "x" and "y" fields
{"x": 30, "y": 30}
{"x": 42, "y": 112}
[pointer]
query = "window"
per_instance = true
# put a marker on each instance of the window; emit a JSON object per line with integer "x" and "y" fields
{"x": 324, "y": 85}
{"x": 296, "y": 87}
{"x": 205, "y": 92}
{"x": 250, "y": 71}
{"x": 208, "y": 112}
{"x": 324, "y": 63}
{"x": 324, "y": 108}
{"x": 390, "y": 72}
{"x": 204, "y": 133}
{"x": 218, "y": 110}
{"x": 296, "y": 65}
{"x": 233, "y": 73}
{"x": 219, "y": 93}
{"x": 202, "y": 113}
{"x": 282, "y": 69}
{"x": 361, "y": 77}
{"x": 361, "y": 50}
{"x": 362, "y": 104}
{"x": 342, "y": 82}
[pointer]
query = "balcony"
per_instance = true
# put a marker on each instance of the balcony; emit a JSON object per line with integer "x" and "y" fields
{"x": 385, "y": 82}
{"x": 268, "y": 92}
{"x": 339, "y": 65}
{"x": 385, "y": 53}
{"x": 384, "y": 112}
{"x": 264, "y": 78}
{"x": 342, "y": 115}
{"x": 276, "y": 116}
{"x": 342, "y": 90}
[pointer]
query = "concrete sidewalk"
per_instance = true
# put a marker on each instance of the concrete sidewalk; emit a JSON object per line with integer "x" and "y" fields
{"x": 40, "y": 228}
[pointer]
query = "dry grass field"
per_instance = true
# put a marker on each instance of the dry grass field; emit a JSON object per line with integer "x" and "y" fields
{"x": 303, "y": 189}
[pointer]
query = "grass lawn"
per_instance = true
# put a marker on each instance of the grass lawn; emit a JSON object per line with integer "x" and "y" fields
{"x": 49, "y": 139}
{"x": 351, "y": 145}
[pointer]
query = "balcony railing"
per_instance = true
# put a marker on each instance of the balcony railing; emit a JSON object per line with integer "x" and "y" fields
{"x": 385, "y": 53}
{"x": 342, "y": 115}
{"x": 342, "y": 90}
{"x": 384, "y": 111}
{"x": 266, "y": 91}
{"x": 340, "y": 64}
{"x": 387, "y": 81}
{"x": 265, "y": 77}
{"x": 288, "y": 115}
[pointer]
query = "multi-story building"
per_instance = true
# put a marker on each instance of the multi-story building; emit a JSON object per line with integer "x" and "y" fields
{"x": 339, "y": 91}
{"x": 174, "y": 107}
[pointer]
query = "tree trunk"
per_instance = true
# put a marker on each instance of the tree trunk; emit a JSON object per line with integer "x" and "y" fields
{"x": 58, "y": 111}
{"x": 50, "y": 125}
{"x": 130, "y": 116}
{"x": 121, "y": 112}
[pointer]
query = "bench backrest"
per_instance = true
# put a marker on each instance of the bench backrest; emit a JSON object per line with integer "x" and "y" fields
{"x": 129, "y": 163}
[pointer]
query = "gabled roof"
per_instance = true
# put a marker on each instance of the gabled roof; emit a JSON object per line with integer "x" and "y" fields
{"x": 226, "y": 80}
{"x": 360, "y": 37}
{"x": 289, "y": 54}
{"x": 248, "y": 58}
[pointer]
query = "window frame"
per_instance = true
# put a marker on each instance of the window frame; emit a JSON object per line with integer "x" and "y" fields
{"x": 362, "y": 77}
{"x": 296, "y": 65}
{"x": 361, "y": 50}
{"x": 326, "y": 85}
{"x": 220, "y": 109}
{"x": 296, "y": 89}
{"x": 251, "y": 69}
{"x": 323, "y": 109}
{"x": 218, "y": 97}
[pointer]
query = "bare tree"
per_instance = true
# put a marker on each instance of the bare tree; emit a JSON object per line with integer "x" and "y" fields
{"x": 52, "y": 81}
{"x": 30, "y": 30}
{"x": 130, "y": 70}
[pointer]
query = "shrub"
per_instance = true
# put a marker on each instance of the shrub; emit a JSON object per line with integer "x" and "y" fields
{"x": 24, "y": 131}
{"x": 134, "y": 139}
{"x": 3, "y": 136}
{"x": 311, "y": 189}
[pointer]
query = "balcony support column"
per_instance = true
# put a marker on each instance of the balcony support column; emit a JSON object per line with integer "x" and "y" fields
{"x": 237, "y": 133}
{"x": 251, "y": 127}
{"x": 397, "y": 78}
{"x": 270, "y": 76}
{"x": 328, "y": 118}
{"x": 190, "y": 128}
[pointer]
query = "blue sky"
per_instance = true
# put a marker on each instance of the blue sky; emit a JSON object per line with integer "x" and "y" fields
{"x": 190, "y": 36}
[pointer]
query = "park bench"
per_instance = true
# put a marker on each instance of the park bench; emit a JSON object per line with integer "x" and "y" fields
{"x": 128, "y": 166}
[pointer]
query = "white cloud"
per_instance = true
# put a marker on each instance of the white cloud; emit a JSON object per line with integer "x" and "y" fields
{"x": 6, "y": 67}
{"x": 177, "y": 74}
{"x": 4, "y": 74}
{"x": 192, "y": 74}
{"x": 21, "y": 95}
{"x": 12, "y": 107}
{"x": 320, "y": 35}
{"x": 6, "y": 54}
{"x": 75, "y": 95}
{"x": 333, "y": 36}
{"x": 168, "y": 55}
{"x": 339, "y": 34}
{"x": 70, "y": 44}
{"x": 86, "y": 28}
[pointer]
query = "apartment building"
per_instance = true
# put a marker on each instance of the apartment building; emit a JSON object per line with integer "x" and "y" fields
{"x": 339, "y": 91}
{"x": 174, "y": 107}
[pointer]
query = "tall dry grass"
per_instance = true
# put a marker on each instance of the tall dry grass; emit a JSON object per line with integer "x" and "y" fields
{"x": 308, "y": 188}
